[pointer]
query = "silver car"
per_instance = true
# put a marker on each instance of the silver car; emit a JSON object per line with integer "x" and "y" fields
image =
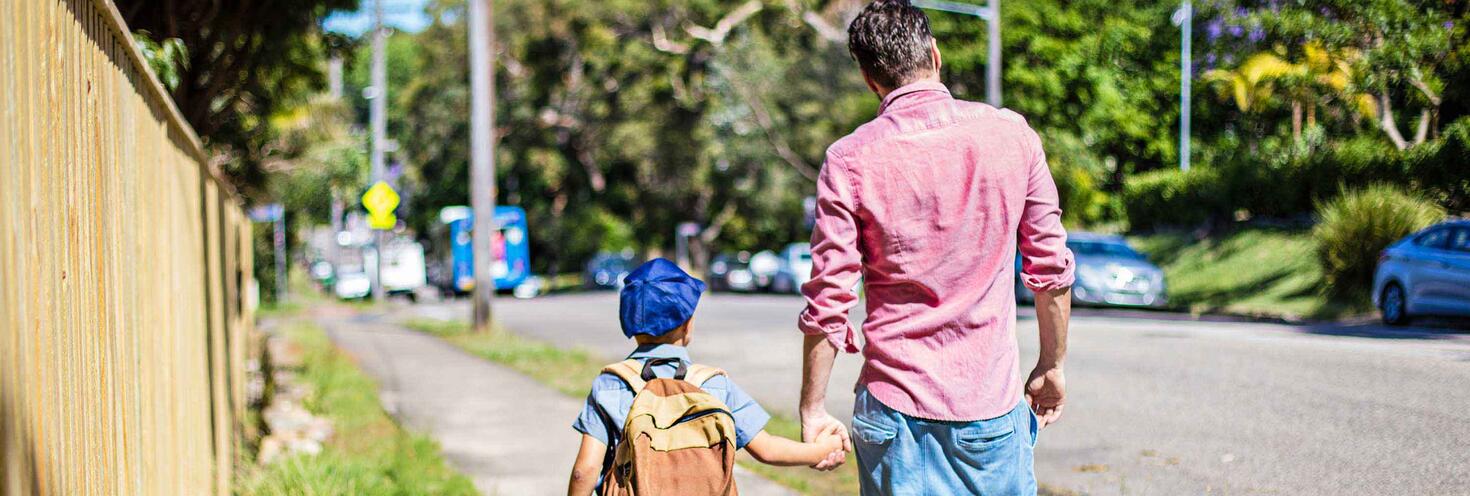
{"x": 1109, "y": 272}
{"x": 1426, "y": 273}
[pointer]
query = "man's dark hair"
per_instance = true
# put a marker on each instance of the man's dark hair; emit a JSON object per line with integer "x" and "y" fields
{"x": 890, "y": 40}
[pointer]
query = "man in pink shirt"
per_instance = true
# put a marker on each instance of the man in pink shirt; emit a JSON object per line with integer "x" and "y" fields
{"x": 927, "y": 205}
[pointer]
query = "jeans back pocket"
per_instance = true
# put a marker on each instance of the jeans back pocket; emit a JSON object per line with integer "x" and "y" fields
{"x": 984, "y": 435}
{"x": 872, "y": 433}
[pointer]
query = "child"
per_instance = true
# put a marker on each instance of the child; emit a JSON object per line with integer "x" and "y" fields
{"x": 657, "y": 305}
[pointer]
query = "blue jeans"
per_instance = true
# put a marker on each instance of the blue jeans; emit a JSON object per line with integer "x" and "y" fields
{"x": 902, "y": 455}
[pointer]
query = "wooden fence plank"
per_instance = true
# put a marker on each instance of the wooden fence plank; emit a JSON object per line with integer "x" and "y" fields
{"x": 123, "y": 257}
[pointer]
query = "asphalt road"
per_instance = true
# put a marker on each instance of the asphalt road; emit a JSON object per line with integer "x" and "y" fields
{"x": 1155, "y": 406}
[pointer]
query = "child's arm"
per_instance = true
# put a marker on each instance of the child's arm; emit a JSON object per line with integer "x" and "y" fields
{"x": 777, "y": 450}
{"x": 587, "y": 467}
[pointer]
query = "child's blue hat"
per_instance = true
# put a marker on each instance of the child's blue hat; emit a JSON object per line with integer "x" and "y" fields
{"x": 658, "y": 297}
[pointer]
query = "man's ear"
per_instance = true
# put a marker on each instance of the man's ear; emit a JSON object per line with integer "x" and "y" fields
{"x": 934, "y": 54}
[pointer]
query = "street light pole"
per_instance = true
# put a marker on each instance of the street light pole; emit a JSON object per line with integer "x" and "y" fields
{"x": 1185, "y": 19}
{"x": 379, "y": 123}
{"x": 482, "y": 155}
{"x": 991, "y": 15}
{"x": 992, "y": 69}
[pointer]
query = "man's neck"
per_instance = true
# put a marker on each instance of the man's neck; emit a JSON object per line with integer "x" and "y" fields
{"x": 884, "y": 92}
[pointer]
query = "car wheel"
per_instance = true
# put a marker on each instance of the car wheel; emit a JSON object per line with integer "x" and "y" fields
{"x": 1393, "y": 305}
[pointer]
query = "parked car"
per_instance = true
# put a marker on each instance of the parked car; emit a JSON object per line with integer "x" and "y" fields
{"x": 731, "y": 272}
{"x": 353, "y": 283}
{"x": 795, "y": 268}
{"x": 1426, "y": 273}
{"x": 322, "y": 273}
{"x": 607, "y": 270}
{"x": 404, "y": 271}
{"x": 1109, "y": 273}
{"x": 764, "y": 266}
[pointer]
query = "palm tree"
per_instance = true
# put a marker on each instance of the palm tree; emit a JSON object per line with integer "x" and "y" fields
{"x": 1317, "y": 78}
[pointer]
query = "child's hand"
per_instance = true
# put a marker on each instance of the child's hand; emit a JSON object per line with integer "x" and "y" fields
{"x": 831, "y": 443}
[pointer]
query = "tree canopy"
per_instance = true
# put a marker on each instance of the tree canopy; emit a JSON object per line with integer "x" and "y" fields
{"x": 617, "y": 120}
{"x": 247, "y": 60}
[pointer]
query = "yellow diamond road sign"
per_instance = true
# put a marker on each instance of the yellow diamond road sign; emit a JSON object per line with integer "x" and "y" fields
{"x": 382, "y": 222}
{"x": 380, "y": 200}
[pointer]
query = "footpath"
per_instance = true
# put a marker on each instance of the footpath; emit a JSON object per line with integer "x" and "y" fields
{"x": 507, "y": 432}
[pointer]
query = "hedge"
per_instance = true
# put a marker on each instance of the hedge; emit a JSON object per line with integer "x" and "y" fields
{"x": 1290, "y": 186}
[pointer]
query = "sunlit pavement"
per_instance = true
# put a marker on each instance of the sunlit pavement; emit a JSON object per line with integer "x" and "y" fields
{"x": 507, "y": 432}
{"x": 1156, "y": 406}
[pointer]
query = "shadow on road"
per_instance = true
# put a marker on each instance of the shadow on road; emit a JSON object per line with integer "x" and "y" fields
{"x": 1438, "y": 328}
{"x": 1434, "y": 328}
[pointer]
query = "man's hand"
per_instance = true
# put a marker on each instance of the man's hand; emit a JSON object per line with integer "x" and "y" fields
{"x": 817, "y": 425}
{"x": 1046, "y": 392}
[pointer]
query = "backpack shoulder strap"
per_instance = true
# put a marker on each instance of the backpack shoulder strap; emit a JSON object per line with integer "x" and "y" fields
{"x": 629, "y": 371}
{"x": 698, "y": 374}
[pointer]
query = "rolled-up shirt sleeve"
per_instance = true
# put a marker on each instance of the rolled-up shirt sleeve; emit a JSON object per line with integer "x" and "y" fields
{"x": 836, "y": 261}
{"x": 1046, "y": 263}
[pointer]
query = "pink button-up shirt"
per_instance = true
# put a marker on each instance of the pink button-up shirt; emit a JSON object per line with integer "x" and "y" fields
{"x": 927, "y": 204}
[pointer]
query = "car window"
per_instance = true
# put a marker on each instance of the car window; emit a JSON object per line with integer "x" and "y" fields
{"x": 1433, "y": 239}
{"x": 1460, "y": 241}
{"x": 1099, "y": 248}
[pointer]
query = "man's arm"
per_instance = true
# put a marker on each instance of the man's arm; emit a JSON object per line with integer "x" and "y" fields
{"x": 836, "y": 268}
{"x": 1046, "y": 388}
{"x": 1047, "y": 269}
{"x": 816, "y": 371}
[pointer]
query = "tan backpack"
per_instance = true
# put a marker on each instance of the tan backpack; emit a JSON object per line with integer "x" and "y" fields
{"x": 678, "y": 439}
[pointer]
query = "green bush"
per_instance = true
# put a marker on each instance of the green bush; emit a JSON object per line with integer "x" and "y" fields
{"x": 1289, "y": 182}
{"x": 1442, "y": 168}
{"x": 1357, "y": 225}
{"x": 1080, "y": 176}
{"x": 1083, "y": 202}
{"x": 1173, "y": 198}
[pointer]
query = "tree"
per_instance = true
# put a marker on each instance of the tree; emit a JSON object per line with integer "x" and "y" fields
{"x": 1089, "y": 71}
{"x": 247, "y": 60}
{"x": 1317, "y": 78}
{"x": 1402, "y": 48}
{"x": 618, "y": 120}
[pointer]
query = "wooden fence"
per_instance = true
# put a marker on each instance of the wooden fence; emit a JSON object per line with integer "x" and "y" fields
{"x": 123, "y": 265}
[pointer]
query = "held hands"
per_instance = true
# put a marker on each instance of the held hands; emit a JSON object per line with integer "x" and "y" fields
{"x": 824, "y": 430}
{"x": 1046, "y": 393}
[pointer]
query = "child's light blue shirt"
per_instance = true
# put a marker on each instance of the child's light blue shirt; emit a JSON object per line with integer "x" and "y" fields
{"x": 611, "y": 398}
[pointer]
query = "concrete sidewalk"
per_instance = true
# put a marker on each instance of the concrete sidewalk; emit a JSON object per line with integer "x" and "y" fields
{"x": 508, "y": 433}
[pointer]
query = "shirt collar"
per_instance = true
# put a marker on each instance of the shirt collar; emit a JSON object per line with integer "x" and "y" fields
{"x": 911, "y": 88}
{"x": 661, "y": 351}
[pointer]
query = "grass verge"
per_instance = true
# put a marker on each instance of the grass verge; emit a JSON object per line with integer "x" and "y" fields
{"x": 1259, "y": 272}
{"x": 570, "y": 371}
{"x": 368, "y": 454}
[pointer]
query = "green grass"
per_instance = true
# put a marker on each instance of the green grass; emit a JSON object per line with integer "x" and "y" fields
{"x": 1258, "y": 272}
{"x": 571, "y": 371}
{"x": 368, "y": 454}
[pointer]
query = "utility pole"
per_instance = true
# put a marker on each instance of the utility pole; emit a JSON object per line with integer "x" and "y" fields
{"x": 1184, "y": 17}
{"x": 992, "y": 69}
{"x": 991, "y": 15}
{"x": 379, "y": 118}
{"x": 482, "y": 155}
{"x": 334, "y": 88}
